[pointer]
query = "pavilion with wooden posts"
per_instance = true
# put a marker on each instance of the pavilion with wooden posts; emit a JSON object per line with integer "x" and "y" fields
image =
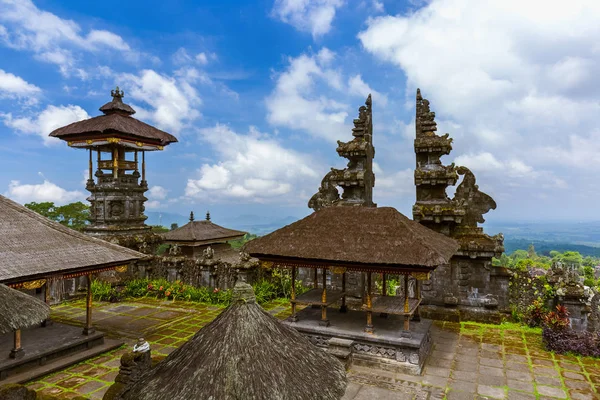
{"x": 35, "y": 251}
{"x": 373, "y": 241}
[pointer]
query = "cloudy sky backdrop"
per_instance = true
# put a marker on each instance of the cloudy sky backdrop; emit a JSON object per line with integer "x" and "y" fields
{"x": 259, "y": 92}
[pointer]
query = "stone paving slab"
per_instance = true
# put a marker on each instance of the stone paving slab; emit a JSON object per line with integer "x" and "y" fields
{"x": 468, "y": 361}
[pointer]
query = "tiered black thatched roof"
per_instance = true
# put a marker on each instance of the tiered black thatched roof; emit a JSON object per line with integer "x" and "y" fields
{"x": 202, "y": 232}
{"x": 19, "y": 310}
{"x": 355, "y": 236}
{"x": 33, "y": 247}
{"x": 245, "y": 353}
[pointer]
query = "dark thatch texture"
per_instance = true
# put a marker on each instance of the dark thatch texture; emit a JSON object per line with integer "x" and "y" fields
{"x": 356, "y": 235}
{"x": 19, "y": 310}
{"x": 202, "y": 231}
{"x": 244, "y": 354}
{"x": 33, "y": 247}
{"x": 113, "y": 124}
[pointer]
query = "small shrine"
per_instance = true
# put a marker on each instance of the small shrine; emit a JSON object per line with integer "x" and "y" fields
{"x": 120, "y": 142}
{"x": 469, "y": 285}
{"x": 365, "y": 240}
{"x": 35, "y": 254}
{"x": 193, "y": 238}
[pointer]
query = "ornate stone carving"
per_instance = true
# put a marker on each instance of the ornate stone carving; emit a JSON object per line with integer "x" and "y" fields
{"x": 475, "y": 202}
{"x": 357, "y": 179}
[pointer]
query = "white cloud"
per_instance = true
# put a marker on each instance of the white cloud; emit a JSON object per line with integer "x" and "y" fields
{"x": 378, "y": 6}
{"x": 157, "y": 193}
{"x": 518, "y": 82}
{"x": 202, "y": 58}
{"x": 153, "y": 204}
{"x": 313, "y": 95}
{"x": 173, "y": 99}
{"x": 12, "y": 86}
{"x": 296, "y": 103}
{"x": 392, "y": 185}
{"x": 50, "y": 37}
{"x": 45, "y": 122}
{"x": 358, "y": 87}
{"x": 46, "y": 191}
{"x": 253, "y": 167}
{"x": 314, "y": 16}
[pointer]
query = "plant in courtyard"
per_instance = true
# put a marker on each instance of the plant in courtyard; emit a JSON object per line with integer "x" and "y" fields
{"x": 557, "y": 320}
{"x": 536, "y": 313}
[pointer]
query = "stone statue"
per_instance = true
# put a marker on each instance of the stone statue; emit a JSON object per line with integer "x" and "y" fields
{"x": 133, "y": 364}
{"x": 175, "y": 250}
{"x": 476, "y": 202}
{"x": 327, "y": 194}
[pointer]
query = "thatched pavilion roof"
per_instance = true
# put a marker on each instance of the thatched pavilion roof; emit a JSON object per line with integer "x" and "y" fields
{"x": 202, "y": 232}
{"x": 19, "y": 310}
{"x": 356, "y": 236}
{"x": 34, "y": 247}
{"x": 116, "y": 121}
{"x": 245, "y": 353}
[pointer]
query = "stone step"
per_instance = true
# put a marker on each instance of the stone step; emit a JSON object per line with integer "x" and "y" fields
{"x": 63, "y": 362}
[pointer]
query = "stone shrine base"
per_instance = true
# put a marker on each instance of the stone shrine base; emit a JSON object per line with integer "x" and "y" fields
{"x": 48, "y": 349}
{"x": 389, "y": 348}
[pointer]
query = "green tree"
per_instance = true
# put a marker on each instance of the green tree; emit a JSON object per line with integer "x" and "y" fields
{"x": 159, "y": 229}
{"x": 73, "y": 215}
{"x": 531, "y": 252}
{"x": 174, "y": 226}
{"x": 571, "y": 258}
{"x": 519, "y": 255}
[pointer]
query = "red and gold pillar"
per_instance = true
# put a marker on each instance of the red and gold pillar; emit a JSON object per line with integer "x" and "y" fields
{"x": 88, "y": 329}
{"x": 369, "y": 327}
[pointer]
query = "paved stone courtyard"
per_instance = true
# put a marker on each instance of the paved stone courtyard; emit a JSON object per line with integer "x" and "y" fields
{"x": 468, "y": 361}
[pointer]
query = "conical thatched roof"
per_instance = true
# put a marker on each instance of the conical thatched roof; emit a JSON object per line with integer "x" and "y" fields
{"x": 245, "y": 354}
{"x": 33, "y": 247}
{"x": 19, "y": 310}
{"x": 368, "y": 236}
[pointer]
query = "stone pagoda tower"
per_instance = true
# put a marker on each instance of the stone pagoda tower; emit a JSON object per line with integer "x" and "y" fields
{"x": 119, "y": 141}
{"x": 357, "y": 179}
{"x": 469, "y": 285}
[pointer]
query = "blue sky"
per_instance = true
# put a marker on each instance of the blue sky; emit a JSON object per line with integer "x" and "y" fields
{"x": 258, "y": 93}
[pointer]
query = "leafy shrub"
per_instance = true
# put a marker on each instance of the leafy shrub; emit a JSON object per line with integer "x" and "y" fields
{"x": 536, "y": 314}
{"x": 103, "y": 291}
{"x": 564, "y": 341}
{"x": 557, "y": 320}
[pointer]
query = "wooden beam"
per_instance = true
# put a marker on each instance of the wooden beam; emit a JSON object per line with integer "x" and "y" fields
{"x": 294, "y": 317}
{"x": 324, "y": 321}
{"x": 343, "y": 307}
{"x": 369, "y": 327}
{"x": 406, "y": 307}
{"x": 17, "y": 350}
{"x": 88, "y": 328}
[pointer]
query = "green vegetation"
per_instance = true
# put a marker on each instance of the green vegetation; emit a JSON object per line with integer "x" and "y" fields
{"x": 159, "y": 229}
{"x": 266, "y": 290}
{"x": 237, "y": 244}
{"x": 73, "y": 215}
{"x": 523, "y": 259}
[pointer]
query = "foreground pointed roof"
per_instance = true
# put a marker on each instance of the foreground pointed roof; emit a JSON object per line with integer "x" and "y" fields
{"x": 34, "y": 247}
{"x": 355, "y": 237}
{"x": 245, "y": 353}
{"x": 19, "y": 310}
{"x": 116, "y": 123}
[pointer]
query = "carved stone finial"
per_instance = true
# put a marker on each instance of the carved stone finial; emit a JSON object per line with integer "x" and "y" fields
{"x": 208, "y": 215}
{"x": 191, "y": 216}
{"x": 117, "y": 94}
{"x": 476, "y": 202}
{"x": 243, "y": 292}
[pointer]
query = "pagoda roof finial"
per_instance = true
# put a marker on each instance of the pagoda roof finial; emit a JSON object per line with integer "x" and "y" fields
{"x": 117, "y": 94}
{"x": 116, "y": 105}
{"x": 191, "y": 216}
{"x": 208, "y": 215}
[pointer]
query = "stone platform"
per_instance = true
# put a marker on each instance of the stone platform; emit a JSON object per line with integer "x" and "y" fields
{"x": 47, "y": 345}
{"x": 389, "y": 348}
